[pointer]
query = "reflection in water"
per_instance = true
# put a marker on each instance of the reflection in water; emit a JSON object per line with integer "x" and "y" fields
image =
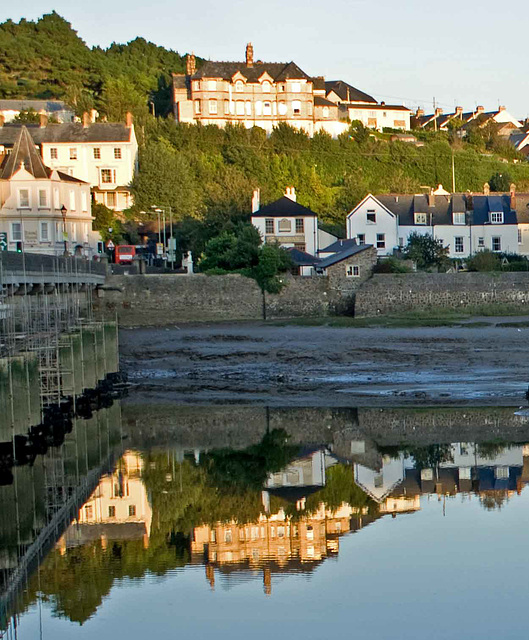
{"x": 256, "y": 513}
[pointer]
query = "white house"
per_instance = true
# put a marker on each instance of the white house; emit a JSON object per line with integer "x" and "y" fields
{"x": 52, "y": 109}
{"x": 103, "y": 154}
{"x": 43, "y": 210}
{"x": 465, "y": 223}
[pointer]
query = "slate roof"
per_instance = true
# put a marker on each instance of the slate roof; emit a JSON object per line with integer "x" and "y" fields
{"x": 279, "y": 71}
{"x": 283, "y": 207}
{"x": 347, "y": 92}
{"x": 302, "y": 258}
{"x": 50, "y": 106}
{"x": 24, "y": 154}
{"x": 320, "y": 101}
{"x": 339, "y": 245}
{"x": 342, "y": 255}
{"x": 379, "y": 107}
{"x": 69, "y": 132}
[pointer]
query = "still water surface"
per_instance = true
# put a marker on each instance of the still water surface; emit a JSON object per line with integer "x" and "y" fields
{"x": 385, "y": 528}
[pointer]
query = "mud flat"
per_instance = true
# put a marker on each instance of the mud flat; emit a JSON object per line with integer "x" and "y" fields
{"x": 261, "y": 364}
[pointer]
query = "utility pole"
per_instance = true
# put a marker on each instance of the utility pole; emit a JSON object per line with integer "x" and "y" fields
{"x": 453, "y": 173}
{"x": 171, "y": 240}
{"x": 434, "y": 115}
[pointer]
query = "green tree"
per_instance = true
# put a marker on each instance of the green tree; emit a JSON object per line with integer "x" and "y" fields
{"x": 27, "y": 116}
{"x": 426, "y": 251}
{"x": 500, "y": 182}
{"x": 485, "y": 260}
{"x": 120, "y": 96}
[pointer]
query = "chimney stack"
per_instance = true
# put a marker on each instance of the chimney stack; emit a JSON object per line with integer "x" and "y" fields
{"x": 191, "y": 66}
{"x": 419, "y": 113}
{"x": 256, "y": 200}
{"x": 86, "y": 119}
{"x": 501, "y": 108}
{"x": 459, "y": 111}
{"x": 438, "y": 111}
{"x": 2, "y": 120}
{"x": 129, "y": 119}
{"x": 486, "y": 189}
{"x": 513, "y": 196}
{"x": 480, "y": 109}
{"x": 43, "y": 120}
{"x": 290, "y": 192}
{"x": 431, "y": 198}
{"x": 249, "y": 55}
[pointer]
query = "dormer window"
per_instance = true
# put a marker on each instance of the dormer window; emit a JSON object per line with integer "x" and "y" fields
{"x": 266, "y": 86}
{"x": 421, "y": 218}
{"x": 239, "y": 86}
{"x": 496, "y": 217}
{"x": 459, "y": 218}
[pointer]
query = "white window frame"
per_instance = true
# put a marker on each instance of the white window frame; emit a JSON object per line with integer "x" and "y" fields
{"x": 54, "y": 153}
{"x": 266, "y": 86}
{"x": 97, "y": 153}
{"x": 16, "y": 236}
{"x": 26, "y": 202}
{"x": 325, "y": 112}
{"x": 496, "y": 217}
{"x": 498, "y": 238}
{"x": 71, "y": 196}
{"x": 481, "y": 242}
{"x": 43, "y": 202}
{"x": 352, "y": 271}
{"x": 212, "y": 106}
{"x": 267, "y": 108}
{"x": 458, "y": 217}
{"x": 112, "y": 175}
{"x": 520, "y": 239}
{"x": 239, "y": 108}
{"x": 371, "y": 212}
{"x": 361, "y": 238}
{"x": 84, "y": 201}
{"x": 118, "y": 154}
{"x": 44, "y": 237}
{"x": 269, "y": 222}
{"x": 296, "y": 107}
{"x": 381, "y": 240}
{"x": 198, "y": 109}
{"x": 421, "y": 218}
{"x": 73, "y": 153}
{"x": 239, "y": 86}
{"x": 459, "y": 244}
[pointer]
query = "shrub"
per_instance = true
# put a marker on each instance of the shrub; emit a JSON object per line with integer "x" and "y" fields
{"x": 484, "y": 260}
{"x": 391, "y": 265}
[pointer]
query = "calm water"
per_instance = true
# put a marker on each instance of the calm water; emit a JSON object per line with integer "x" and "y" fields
{"x": 241, "y": 522}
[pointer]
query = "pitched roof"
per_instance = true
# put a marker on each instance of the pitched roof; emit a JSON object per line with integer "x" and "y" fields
{"x": 69, "y": 132}
{"x": 342, "y": 255}
{"x": 380, "y": 107}
{"x": 283, "y": 207}
{"x": 25, "y": 155}
{"x": 320, "y": 101}
{"x": 339, "y": 245}
{"x": 279, "y": 71}
{"x": 50, "y": 106}
{"x": 347, "y": 92}
{"x": 302, "y": 258}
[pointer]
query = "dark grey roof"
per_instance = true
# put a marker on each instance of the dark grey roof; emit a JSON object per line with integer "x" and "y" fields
{"x": 302, "y": 258}
{"x": 339, "y": 245}
{"x": 180, "y": 81}
{"x": 342, "y": 255}
{"x": 283, "y": 207}
{"x": 69, "y": 132}
{"x": 50, "y": 106}
{"x": 24, "y": 154}
{"x": 320, "y": 101}
{"x": 379, "y": 107}
{"x": 279, "y": 71}
{"x": 318, "y": 83}
{"x": 347, "y": 92}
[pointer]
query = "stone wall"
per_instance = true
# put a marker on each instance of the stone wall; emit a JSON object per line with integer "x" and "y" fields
{"x": 394, "y": 293}
{"x": 158, "y": 300}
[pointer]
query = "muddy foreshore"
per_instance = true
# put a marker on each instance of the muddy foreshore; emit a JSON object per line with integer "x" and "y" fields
{"x": 262, "y": 364}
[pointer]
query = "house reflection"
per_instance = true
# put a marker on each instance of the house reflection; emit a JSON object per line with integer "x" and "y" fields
{"x": 118, "y": 509}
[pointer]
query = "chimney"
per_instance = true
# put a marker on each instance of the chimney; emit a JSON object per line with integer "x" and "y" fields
{"x": 256, "y": 198}
{"x": 382, "y": 104}
{"x": 501, "y": 108}
{"x": 438, "y": 111}
{"x": 513, "y": 196}
{"x": 480, "y": 109}
{"x": 290, "y": 192}
{"x": 249, "y": 55}
{"x": 43, "y": 120}
{"x": 191, "y": 66}
{"x": 419, "y": 113}
{"x": 486, "y": 189}
{"x": 86, "y": 119}
{"x": 2, "y": 120}
{"x": 431, "y": 198}
{"x": 93, "y": 115}
{"x": 459, "y": 112}
{"x": 129, "y": 119}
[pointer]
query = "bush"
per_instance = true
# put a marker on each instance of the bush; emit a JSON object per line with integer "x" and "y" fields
{"x": 391, "y": 265}
{"x": 484, "y": 260}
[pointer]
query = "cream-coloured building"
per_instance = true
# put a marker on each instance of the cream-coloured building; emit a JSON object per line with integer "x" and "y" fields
{"x": 43, "y": 210}
{"x": 103, "y": 154}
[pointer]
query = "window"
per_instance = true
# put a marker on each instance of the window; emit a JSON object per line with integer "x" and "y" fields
{"x": 212, "y": 85}
{"x": 381, "y": 240}
{"x": 84, "y": 201}
{"x": 213, "y": 107}
{"x": 300, "y": 225}
{"x": 267, "y": 108}
{"x": 239, "y": 86}
{"x": 132, "y": 510}
{"x": 281, "y": 88}
{"x": 421, "y": 218}
{"x": 295, "y": 87}
{"x": 196, "y": 85}
{"x": 284, "y": 226}
{"x": 266, "y": 86}
{"x": 371, "y": 216}
{"x": 496, "y": 217}
{"x": 269, "y": 225}
{"x": 401, "y": 242}
{"x": 280, "y": 532}
{"x": 226, "y": 107}
{"x": 117, "y": 153}
{"x": 519, "y": 236}
{"x": 258, "y": 108}
{"x": 53, "y": 153}
{"x": 56, "y": 199}
{"x": 73, "y": 153}
{"x": 89, "y": 511}
{"x": 481, "y": 242}
{"x": 399, "y": 124}
{"x": 97, "y": 153}
{"x": 459, "y": 218}
{"x": 239, "y": 108}
{"x": 112, "y": 512}
{"x": 325, "y": 112}
{"x": 310, "y": 533}
{"x": 44, "y": 231}
{"x": 23, "y": 198}
{"x": 458, "y": 244}
{"x": 352, "y": 271}
{"x": 108, "y": 176}
{"x": 111, "y": 199}
{"x": 296, "y": 107}
{"x": 213, "y": 536}
{"x": 501, "y": 472}
{"x": 73, "y": 227}
{"x": 43, "y": 198}
{"x": 197, "y": 106}
{"x": 16, "y": 231}
{"x": 227, "y": 536}
{"x": 361, "y": 238}
{"x": 309, "y": 108}
{"x": 248, "y": 108}
{"x": 72, "y": 200}
{"x": 496, "y": 243}
{"x": 282, "y": 108}
{"x": 300, "y": 246}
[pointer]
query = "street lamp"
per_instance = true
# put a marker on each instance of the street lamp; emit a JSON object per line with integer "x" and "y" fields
{"x": 64, "y": 210}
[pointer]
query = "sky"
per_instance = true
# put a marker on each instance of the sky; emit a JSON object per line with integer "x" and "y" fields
{"x": 401, "y": 51}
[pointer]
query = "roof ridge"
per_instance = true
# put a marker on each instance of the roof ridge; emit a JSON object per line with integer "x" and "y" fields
{"x": 24, "y": 153}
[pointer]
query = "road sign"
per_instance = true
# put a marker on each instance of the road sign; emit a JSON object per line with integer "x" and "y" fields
{"x": 110, "y": 245}
{"x": 159, "y": 249}
{"x": 3, "y": 241}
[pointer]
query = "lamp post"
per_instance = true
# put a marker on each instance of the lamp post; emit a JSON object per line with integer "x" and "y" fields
{"x": 64, "y": 210}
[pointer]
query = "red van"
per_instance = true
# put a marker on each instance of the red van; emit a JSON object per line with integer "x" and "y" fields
{"x": 125, "y": 253}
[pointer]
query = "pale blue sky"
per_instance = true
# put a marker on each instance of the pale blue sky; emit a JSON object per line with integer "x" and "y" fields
{"x": 397, "y": 50}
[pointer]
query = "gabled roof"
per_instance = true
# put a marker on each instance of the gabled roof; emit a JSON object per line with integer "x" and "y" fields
{"x": 339, "y": 245}
{"x": 24, "y": 155}
{"x": 347, "y": 92}
{"x": 342, "y": 255}
{"x": 49, "y": 106}
{"x": 283, "y": 207}
{"x": 302, "y": 258}
{"x": 320, "y": 101}
{"x": 279, "y": 71}
{"x": 69, "y": 132}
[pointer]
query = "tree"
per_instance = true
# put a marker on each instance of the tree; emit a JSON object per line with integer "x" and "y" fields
{"x": 232, "y": 251}
{"x": 27, "y": 116}
{"x": 485, "y": 260}
{"x": 500, "y": 182}
{"x": 120, "y": 96}
{"x": 426, "y": 251}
